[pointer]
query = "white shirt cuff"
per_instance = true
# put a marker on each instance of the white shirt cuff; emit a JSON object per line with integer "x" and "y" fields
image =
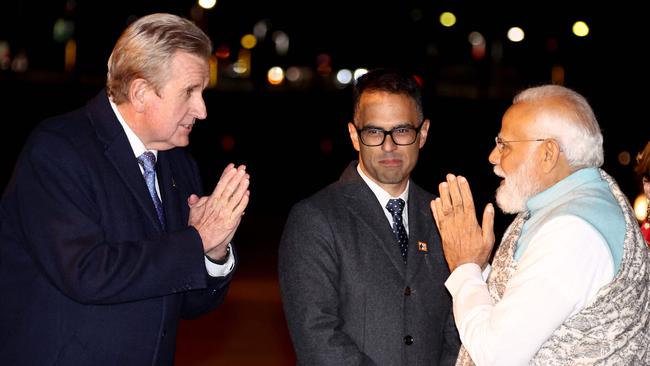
{"x": 221, "y": 270}
{"x": 460, "y": 275}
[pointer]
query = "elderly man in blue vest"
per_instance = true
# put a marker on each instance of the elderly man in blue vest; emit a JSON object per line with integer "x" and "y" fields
{"x": 568, "y": 284}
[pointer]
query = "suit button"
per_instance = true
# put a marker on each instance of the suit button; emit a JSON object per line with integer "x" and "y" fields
{"x": 408, "y": 340}
{"x": 407, "y": 291}
{"x": 164, "y": 333}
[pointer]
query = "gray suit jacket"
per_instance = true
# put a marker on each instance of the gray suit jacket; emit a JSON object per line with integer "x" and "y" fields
{"x": 348, "y": 297}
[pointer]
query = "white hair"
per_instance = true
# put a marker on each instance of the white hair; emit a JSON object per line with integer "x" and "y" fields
{"x": 565, "y": 116}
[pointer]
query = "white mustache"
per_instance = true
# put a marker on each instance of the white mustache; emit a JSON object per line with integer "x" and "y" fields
{"x": 500, "y": 173}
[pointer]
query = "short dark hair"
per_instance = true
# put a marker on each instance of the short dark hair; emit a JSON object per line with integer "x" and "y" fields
{"x": 391, "y": 81}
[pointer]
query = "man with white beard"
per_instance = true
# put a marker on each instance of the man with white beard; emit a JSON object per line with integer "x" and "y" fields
{"x": 568, "y": 284}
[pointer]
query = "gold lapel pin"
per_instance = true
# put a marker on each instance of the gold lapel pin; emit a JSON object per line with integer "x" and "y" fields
{"x": 422, "y": 247}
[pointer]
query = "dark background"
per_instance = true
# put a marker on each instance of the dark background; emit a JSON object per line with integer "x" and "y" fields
{"x": 294, "y": 138}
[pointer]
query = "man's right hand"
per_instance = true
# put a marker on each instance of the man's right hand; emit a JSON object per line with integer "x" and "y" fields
{"x": 217, "y": 216}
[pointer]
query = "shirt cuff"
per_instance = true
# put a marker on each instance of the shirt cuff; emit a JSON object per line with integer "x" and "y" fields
{"x": 463, "y": 273}
{"x": 220, "y": 270}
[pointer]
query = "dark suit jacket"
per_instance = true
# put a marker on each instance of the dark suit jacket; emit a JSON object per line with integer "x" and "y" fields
{"x": 87, "y": 274}
{"x": 348, "y": 297}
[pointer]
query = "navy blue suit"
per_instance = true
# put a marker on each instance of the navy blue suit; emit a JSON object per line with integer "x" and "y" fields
{"x": 87, "y": 274}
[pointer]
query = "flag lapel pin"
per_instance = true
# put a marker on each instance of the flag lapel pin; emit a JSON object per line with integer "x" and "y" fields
{"x": 422, "y": 247}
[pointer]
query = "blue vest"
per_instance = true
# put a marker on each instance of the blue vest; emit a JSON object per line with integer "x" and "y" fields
{"x": 583, "y": 194}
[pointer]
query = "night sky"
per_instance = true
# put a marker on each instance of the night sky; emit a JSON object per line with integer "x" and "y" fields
{"x": 275, "y": 129}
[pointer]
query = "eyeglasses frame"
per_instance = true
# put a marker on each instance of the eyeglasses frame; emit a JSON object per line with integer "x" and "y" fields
{"x": 389, "y": 132}
{"x": 498, "y": 141}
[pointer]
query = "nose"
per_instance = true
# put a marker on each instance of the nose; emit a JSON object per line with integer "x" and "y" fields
{"x": 495, "y": 156}
{"x": 198, "y": 108}
{"x": 389, "y": 144}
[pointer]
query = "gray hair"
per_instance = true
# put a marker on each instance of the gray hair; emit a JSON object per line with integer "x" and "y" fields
{"x": 145, "y": 49}
{"x": 566, "y": 116}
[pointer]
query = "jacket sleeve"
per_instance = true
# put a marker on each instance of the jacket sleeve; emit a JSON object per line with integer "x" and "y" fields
{"x": 58, "y": 219}
{"x": 310, "y": 294}
{"x": 199, "y": 302}
{"x": 196, "y": 303}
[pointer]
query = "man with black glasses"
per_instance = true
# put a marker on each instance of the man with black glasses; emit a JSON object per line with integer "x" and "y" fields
{"x": 361, "y": 268}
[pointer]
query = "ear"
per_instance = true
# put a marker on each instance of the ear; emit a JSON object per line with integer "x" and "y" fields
{"x": 424, "y": 131}
{"x": 551, "y": 151}
{"x": 352, "y": 130}
{"x": 138, "y": 94}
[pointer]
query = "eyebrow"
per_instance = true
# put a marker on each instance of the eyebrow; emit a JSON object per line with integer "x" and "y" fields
{"x": 193, "y": 86}
{"x": 403, "y": 124}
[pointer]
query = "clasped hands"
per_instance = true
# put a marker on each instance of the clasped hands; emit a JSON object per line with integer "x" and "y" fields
{"x": 217, "y": 216}
{"x": 463, "y": 240}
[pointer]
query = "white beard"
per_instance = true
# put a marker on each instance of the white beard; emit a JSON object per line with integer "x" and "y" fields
{"x": 517, "y": 188}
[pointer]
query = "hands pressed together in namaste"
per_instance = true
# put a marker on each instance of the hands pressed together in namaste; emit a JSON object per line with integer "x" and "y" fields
{"x": 463, "y": 239}
{"x": 217, "y": 216}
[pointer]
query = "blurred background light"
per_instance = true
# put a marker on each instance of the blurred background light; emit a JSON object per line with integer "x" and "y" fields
{"x": 207, "y": 4}
{"x": 359, "y": 72}
{"x": 275, "y": 75}
{"x": 447, "y": 19}
{"x": 580, "y": 29}
{"x": 248, "y": 41}
{"x": 515, "y": 34}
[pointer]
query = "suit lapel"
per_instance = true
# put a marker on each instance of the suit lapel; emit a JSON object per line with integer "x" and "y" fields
{"x": 420, "y": 227}
{"x": 120, "y": 154}
{"x": 171, "y": 199}
{"x": 370, "y": 215}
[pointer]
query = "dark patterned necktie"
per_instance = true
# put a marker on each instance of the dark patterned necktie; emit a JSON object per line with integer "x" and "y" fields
{"x": 148, "y": 162}
{"x": 395, "y": 207}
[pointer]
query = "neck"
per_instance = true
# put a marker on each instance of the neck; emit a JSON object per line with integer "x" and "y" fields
{"x": 560, "y": 171}
{"x": 134, "y": 120}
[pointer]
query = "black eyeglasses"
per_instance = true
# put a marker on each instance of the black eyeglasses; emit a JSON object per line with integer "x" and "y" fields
{"x": 404, "y": 135}
{"x": 502, "y": 144}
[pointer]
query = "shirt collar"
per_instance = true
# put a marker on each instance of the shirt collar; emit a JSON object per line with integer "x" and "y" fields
{"x": 136, "y": 144}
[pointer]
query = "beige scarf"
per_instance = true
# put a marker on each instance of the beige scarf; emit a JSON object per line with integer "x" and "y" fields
{"x": 615, "y": 328}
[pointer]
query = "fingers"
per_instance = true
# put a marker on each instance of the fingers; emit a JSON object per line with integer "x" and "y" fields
{"x": 238, "y": 211}
{"x": 487, "y": 225}
{"x": 445, "y": 200}
{"x": 230, "y": 175}
{"x": 196, "y": 201}
{"x": 454, "y": 193}
{"x": 436, "y": 209}
{"x": 192, "y": 200}
{"x": 450, "y": 196}
{"x": 466, "y": 195}
{"x": 230, "y": 197}
{"x": 463, "y": 239}
{"x": 236, "y": 202}
{"x": 456, "y": 196}
{"x": 228, "y": 168}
